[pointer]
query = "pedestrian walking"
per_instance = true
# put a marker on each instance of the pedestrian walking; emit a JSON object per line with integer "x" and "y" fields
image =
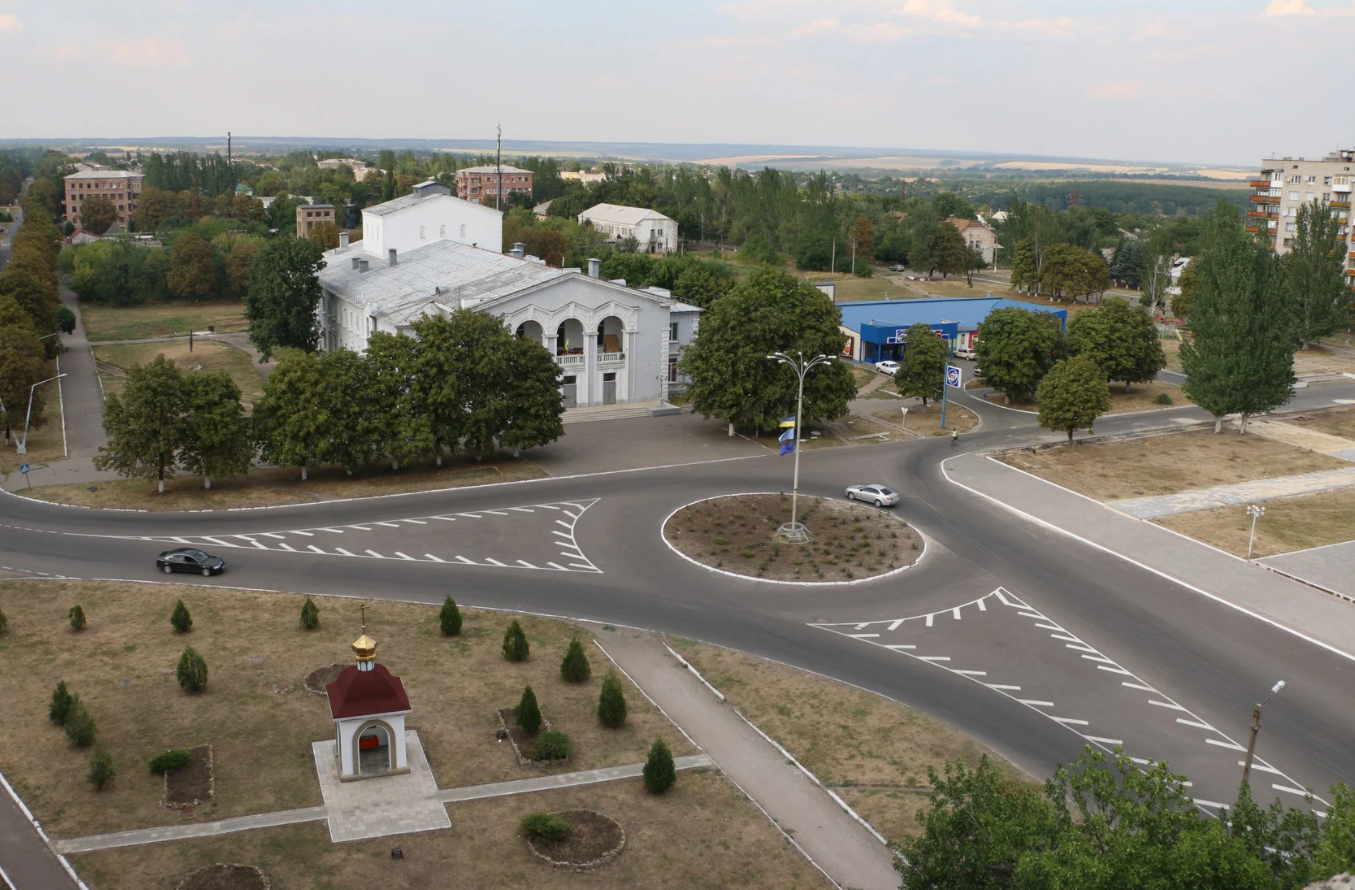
{"x": 954, "y": 438}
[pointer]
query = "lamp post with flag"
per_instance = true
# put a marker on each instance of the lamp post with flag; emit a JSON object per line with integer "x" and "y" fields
{"x": 794, "y": 532}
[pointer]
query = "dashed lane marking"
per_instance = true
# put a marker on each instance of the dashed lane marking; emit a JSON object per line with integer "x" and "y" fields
{"x": 1232, "y": 746}
{"x": 1032, "y": 702}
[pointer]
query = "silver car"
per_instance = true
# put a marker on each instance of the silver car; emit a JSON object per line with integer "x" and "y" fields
{"x": 878, "y": 495}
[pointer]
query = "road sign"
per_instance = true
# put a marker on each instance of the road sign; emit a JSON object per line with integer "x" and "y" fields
{"x": 24, "y": 469}
{"x": 952, "y": 375}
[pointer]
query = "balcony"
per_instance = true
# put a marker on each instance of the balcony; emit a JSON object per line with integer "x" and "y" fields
{"x": 1261, "y": 214}
{"x": 1260, "y": 183}
{"x": 611, "y": 359}
{"x": 575, "y": 362}
{"x": 1341, "y": 205}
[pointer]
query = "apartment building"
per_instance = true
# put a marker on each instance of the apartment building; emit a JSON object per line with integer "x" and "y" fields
{"x": 308, "y": 216}
{"x": 478, "y": 183}
{"x": 1286, "y": 184}
{"x": 119, "y": 186}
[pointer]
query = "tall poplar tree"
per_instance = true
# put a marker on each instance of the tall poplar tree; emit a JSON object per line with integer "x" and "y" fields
{"x": 1241, "y": 359}
{"x": 216, "y": 434}
{"x": 1315, "y": 273}
{"x": 284, "y": 293}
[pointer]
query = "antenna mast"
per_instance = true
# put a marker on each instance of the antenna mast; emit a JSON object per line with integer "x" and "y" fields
{"x": 498, "y": 166}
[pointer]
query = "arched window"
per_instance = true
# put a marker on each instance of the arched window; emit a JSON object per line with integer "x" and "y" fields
{"x": 442, "y": 232}
{"x": 463, "y": 230}
{"x": 422, "y": 235}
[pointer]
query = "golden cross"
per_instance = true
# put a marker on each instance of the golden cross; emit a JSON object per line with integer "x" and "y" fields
{"x": 363, "y": 608}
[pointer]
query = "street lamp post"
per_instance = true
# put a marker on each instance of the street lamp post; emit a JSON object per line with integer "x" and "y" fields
{"x": 1255, "y": 511}
{"x": 23, "y": 444}
{"x": 1255, "y": 728}
{"x": 795, "y": 532}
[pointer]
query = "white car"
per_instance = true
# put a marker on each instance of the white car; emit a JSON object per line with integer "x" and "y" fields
{"x": 887, "y": 367}
{"x": 966, "y": 352}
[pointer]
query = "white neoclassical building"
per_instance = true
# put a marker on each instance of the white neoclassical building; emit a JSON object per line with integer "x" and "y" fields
{"x": 430, "y": 254}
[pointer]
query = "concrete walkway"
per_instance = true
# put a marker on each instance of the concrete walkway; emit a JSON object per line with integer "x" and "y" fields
{"x": 1299, "y": 607}
{"x": 1302, "y": 437}
{"x": 826, "y": 833}
{"x": 1233, "y": 495}
{"x": 141, "y": 836}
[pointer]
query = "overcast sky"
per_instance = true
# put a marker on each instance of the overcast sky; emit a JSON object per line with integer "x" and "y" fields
{"x": 1224, "y": 81}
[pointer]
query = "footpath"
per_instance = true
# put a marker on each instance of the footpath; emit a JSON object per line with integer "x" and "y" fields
{"x": 1316, "y": 615}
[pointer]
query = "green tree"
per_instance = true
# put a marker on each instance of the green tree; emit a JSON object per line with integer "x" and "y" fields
{"x": 65, "y": 320}
{"x": 60, "y": 706}
{"x": 77, "y": 617}
{"x": 401, "y": 425}
{"x": 515, "y": 647}
{"x": 310, "y": 614}
{"x": 80, "y": 728}
{"x": 1189, "y": 285}
{"x": 101, "y": 768}
{"x": 1155, "y": 269}
{"x": 953, "y": 255}
{"x": 23, "y": 362}
{"x": 325, "y": 235}
{"x": 1072, "y": 395}
{"x": 922, "y": 373}
{"x": 97, "y": 214}
{"x": 216, "y": 434}
{"x": 1121, "y": 339}
{"x": 4, "y": 623}
{"x": 1025, "y": 277}
{"x": 32, "y": 291}
{"x": 239, "y": 260}
{"x": 145, "y": 423}
{"x": 527, "y": 714}
{"x": 284, "y": 294}
{"x": 192, "y": 671}
{"x": 1241, "y": 358}
{"x": 771, "y": 311}
{"x": 612, "y": 702}
{"x": 449, "y": 619}
{"x": 862, "y": 239}
{"x": 350, "y": 434}
{"x": 1016, "y": 349}
{"x": 291, "y": 420}
{"x": 1315, "y": 273}
{"x": 924, "y": 240}
{"x": 180, "y": 619}
{"x": 1336, "y": 847}
{"x": 192, "y": 268}
{"x": 659, "y": 772}
{"x": 574, "y": 668}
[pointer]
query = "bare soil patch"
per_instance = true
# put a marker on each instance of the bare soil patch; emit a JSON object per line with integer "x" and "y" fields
{"x": 1112, "y": 471}
{"x": 525, "y": 743}
{"x": 1289, "y": 524}
{"x": 1333, "y": 421}
{"x": 869, "y": 748}
{"x": 191, "y": 786}
{"x": 122, "y": 666}
{"x": 928, "y": 422}
{"x": 851, "y": 541}
{"x": 223, "y": 876}
{"x": 595, "y": 840}
{"x": 702, "y": 835}
{"x": 318, "y": 679}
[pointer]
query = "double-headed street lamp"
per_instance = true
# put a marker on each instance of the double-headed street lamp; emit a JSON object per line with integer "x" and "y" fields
{"x": 23, "y": 443}
{"x": 794, "y": 532}
{"x": 1255, "y": 728}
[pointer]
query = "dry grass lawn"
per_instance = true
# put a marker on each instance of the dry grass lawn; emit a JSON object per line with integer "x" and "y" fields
{"x": 270, "y": 486}
{"x": 255, "y": 711}
{"x": 1112, "y": 471}
{"x": 1139, "y": 397}
{"x": 1297, "y": 523}
{"x": 207, "y": 355}
{"x": 104, "y": 323}
{"x": 1333, "y": 422}
{"x": 1172, "y": 348}
{"x": 928, "y": 422}
{"x": 701, "y": 835}
{"x": 872, "y": 750}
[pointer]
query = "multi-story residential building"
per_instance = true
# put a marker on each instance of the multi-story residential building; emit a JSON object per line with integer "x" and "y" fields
{"x": 119, "y": 186}
{"x": 478, "y": 183}
{"x": 1286, "y": 184}
{"x": 655, "y": 232}
{"x": 308, "y": 216}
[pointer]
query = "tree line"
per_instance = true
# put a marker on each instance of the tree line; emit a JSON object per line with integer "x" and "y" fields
{"x": 463, "y": 384}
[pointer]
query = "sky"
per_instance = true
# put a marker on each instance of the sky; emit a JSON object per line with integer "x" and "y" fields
{"x": 1197, "y": 81}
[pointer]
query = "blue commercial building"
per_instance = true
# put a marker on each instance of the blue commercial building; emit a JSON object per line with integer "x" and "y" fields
{"x": 875, "y": 329}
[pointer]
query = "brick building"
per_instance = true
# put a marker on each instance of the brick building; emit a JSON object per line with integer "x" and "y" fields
{"x": 119, "y": 186}
{"x": 478, "y": 183}
{"x": 308, "y": 216}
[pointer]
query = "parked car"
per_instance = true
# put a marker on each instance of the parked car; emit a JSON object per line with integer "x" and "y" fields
{"x": 878, "y": 495}
{"x": 967, "y": 352}
{"x": 897, "y": 267}
{"x": 187, "y": 559}
{"x": 887, "y": 367}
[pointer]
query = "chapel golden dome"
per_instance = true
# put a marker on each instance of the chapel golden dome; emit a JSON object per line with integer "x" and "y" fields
{"x": 364, "y": 647}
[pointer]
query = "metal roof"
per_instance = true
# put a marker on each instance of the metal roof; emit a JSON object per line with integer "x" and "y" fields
{"x": 619, "y": 213}
{"x": 966, "y": 311}
{"x": 490, "y": 168}
{"x": 406, "y": 201}
{"x": 106, "y": 174}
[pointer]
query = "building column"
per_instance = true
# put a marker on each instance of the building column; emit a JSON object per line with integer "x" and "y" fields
{"x": 625, "y": 383}
{"x": 590, "y": 367}
{"x": 664, "y": 349}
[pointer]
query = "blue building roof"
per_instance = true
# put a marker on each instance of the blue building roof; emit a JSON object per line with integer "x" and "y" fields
{"x": 965, "y": 312}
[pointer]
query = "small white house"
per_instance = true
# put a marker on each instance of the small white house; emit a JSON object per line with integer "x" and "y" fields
{"x": 655, "y": 232}
{"x": 369, "y": 706}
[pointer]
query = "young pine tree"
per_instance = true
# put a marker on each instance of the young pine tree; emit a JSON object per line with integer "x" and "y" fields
{"x": 192, "y": 670}
{"x": 77, "y": 616}
{"x": 450, "y": 618}
{"x": 4, "y": 622}
{"x": 79, "y": 724}
{"x": 182, "y": 621}
{"x": 659, "y": 772}
{"x": 612, "y": 702}
{"x": 101, "y": 768}
{"x": 515, "y": 646}
{"x": 527, "y": 714}
{"x": 310, "y": 614}
{"x": 60, "y": 708}
{"x": 575, "y": 668}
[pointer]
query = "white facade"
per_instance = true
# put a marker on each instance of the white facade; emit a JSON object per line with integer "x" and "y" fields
{"x": 389, "y": 729}
{"x": 430, "y": 214}
{"x": 655, "y": 232}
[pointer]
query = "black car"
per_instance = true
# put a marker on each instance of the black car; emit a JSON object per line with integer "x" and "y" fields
{"x": 187, "y": 559}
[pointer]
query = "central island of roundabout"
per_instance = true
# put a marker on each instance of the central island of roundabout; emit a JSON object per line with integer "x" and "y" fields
{"x": 849, "y": 542}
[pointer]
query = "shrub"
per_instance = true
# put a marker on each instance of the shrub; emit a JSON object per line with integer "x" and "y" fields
{"x": 60, "y": 708}
{"x": 612, "y": 702}
{"x": 192, "y": 670}
{"x": 1163, "y": 398}
{"x": 77, "y": 616}
{"x": 310, "y": 614}
{"x": 527, "y": 714}
{"x": 79, "y": 725}
{"x": 65, "y": 320}
{"x": 4, "y": 622}
{"x": 659, "y": 771}
{"x": 575, "y": 667}
{"x": 182, "y": 621}
{"x": 551, "y": 745}
{"x": 546, "y": 827}
{"x": 174, "y": 758}
{"x": 450, "y": 618}
{"x": 101, "y": 768}
{"x": 515, "y": 646}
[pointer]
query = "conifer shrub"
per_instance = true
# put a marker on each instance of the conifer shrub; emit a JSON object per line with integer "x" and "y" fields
{"x": 192, "y": 670}
{"x": 60, "y": 707}
{"x": 172, "y": 759}
{"x": 552, "y": 745}
{"x": 77, "y": 616}
{"x": 310, "y": 614}
{"x": 182, "y": 621}
{"x": 515, "y": 646}
{"x": 450, "y": 618}
{"x": 660, "y": 774}
{"x": 101, "y": 768}
{"x": 546, "y": 827}
{"x": 612, "y": 702}
{"x": 80, "y": 727}
{"x": 575, "y": 668}
{"x": 527, "y": 714}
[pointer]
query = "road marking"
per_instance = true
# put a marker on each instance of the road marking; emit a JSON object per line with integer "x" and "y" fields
{"x": 1196, "y": 723}
{"x": 1104, "y": 661}
{"x": 1210, "y": 803}
{"x": 1035, "y": 615}
{"x": 956, "y": 613}
{"x": 1097, "y": 738}
{"x": 217, "y": 541}
{"x": 387, "y": 525}
{"x": 1078, "y": 647}
{"x": 402, "y": 556}
{"x": 316, "y": 549}
{"x": 929, "y": 620}
{"x": 1232, "y": 746}
{"x": 862, "y": 636}
{"x": 568, "y": 525}
{"x": 526, "y": 563}
{"x": 1000, "y": 688}
{"x": 1072, "y": 720}
{"x": 432, "y": 557}
{"x": 523, "y": 509}
{"x": 307, "y": 534}
{"x": 469, "y": 562}
{"x": 337, "y": 531}
{"x": 361, "y": 528}
{"x": 344, "y": 552}
{"x": 1262, "y": 767}
{"x": 470, "y": 515}
{"x": 556, "y": 531}
{"x": 268, "y": 535}
{"x": 414, "y": 521}
{"x": 374, "y": 553}
{"x": 495, "y": 512}
{"x": 979, "y": 603}
{"x": 1166, "y": 704}
{"x": 582, "y": 566}
{"x": 494, "y": 562}
{"x": 894, "y": 625}
{"x": 1059, "y": 629}
{"x": 1036, "y": 704}
{"x": 1140, "y": 761}
{"x": 933, "y": 658}
{"x": 548, "y": 507}
{"x": 1113, "y": 670}
{"x": 556, "y": 565}
{"x": 446, "y": 518}
{"x": 288, "y": 548}
{"x": 1139, "y": 686}
{"x": 570, "y": 515}
{"x": 901, "y": 646}
{"x": 1299, "y": 791}
{"x": 973, "y": 673}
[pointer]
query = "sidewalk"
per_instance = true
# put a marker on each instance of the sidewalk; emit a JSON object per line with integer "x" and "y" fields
{"x": 1235, "y": 495}
{"x": 839, "y": 845}
{"x": 1288, "y": 603}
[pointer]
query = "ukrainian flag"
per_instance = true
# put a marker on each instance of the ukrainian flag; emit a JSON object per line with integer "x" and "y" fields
{"x": 787, "y": 422}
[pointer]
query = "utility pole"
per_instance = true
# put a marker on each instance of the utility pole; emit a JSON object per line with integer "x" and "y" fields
{"x": 228, "y": 149}
{"x": 498, "y": 166}
{"x": 1255, "y": 728}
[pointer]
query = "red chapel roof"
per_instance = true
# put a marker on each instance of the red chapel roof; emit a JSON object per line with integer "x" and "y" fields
{"x": 360, "y": 693}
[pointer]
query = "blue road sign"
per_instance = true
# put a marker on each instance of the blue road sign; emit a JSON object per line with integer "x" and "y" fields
{"x": 24, "y": 469}
{"x": 952, "y": 375}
